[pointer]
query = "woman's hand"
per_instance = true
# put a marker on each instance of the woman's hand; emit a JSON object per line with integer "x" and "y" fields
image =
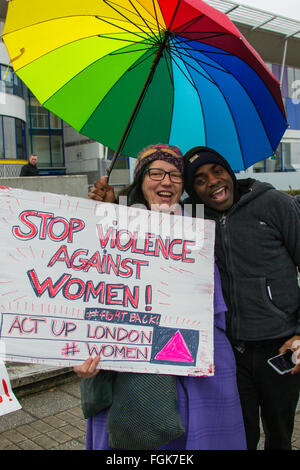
{"x": 88, "y": 369}
{"x": 102, "y": 191}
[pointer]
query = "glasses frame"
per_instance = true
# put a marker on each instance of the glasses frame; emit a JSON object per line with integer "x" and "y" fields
{"x": 164, "y": 173}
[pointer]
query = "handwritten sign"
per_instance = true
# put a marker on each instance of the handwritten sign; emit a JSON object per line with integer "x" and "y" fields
{"x": 8, "y": 400}
{"x": 80, "y": 278}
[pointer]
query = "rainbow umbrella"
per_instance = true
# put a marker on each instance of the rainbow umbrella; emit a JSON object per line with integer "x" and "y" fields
{"x": 129, "y": 73}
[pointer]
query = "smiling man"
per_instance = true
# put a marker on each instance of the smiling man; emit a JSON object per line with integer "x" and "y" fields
{"x": 258, "y": 251}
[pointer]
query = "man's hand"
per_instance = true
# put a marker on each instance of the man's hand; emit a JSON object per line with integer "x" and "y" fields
{"x": 88, "y": 369}
{"x": 102, "y": 191}
{"x": 294, "y": 345}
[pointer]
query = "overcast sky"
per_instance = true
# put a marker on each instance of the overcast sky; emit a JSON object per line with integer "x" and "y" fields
{"x": 288, "y": 8}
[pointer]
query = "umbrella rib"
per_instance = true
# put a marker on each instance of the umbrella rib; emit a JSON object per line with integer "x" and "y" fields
{"x": 53, "y": 19}
{"x": 174, "y": 14}
{"x": 201, "y": 61}
{"x": 192, "y": 22}
{"x": 128, "y": 52}
{"x": 213, "y": 81}
{"x": 72, "y": 78}
{"x": 126, "y": 30}
{"x": 105, "y": 36}
{"x": 211, "y": 36}
{"x": 188, "y": 24}
{"x": 97, "y": 35}
{"x": 124, "y": 138}
{"x": 177, "y": 53}
{"x": 167, "y": 57}
{"x": 180, "y": 68}
{"x": 168, "y": 68}
{"x": 232, "y": 116}
{"x": 241, "y": 84}
{"x": 190, "y": 79}
{"x": 127, "y": 19}
{"x": 203, "y": 51}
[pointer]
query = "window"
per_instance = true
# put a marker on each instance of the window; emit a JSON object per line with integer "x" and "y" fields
{"x": 49, "y": 149}
{"x": 12, "y": 138}
{"x": 55, "y": 122}
{"x": 40, "y": 146}
{"x": 2, "y": 152}
{"x": 287, "y": 154}
{"x": 46, "y": 134}
{"x": 39, "y": 116}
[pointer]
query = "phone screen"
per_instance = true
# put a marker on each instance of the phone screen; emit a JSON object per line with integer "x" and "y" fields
{"x": 283, "y": 362}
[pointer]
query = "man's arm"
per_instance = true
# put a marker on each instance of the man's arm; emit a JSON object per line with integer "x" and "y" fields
{"x": 23, "y": 171}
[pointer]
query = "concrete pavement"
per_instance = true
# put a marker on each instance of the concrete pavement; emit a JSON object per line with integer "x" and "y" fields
{"x": 51, "y": 416}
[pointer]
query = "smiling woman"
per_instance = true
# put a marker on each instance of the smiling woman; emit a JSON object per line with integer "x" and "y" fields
{"x": 214, "y": 186}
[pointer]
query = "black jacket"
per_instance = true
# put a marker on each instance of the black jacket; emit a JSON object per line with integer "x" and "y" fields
{"x": 258, "y": 251}
{"x": 29, "y": 170}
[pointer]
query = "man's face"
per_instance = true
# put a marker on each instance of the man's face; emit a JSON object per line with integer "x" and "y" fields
{"x": 214, "y": 186}
{"x": 33, "y": 159}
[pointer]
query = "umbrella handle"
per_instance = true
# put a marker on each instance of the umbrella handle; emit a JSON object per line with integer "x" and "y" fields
{"x": 147, "y": 83}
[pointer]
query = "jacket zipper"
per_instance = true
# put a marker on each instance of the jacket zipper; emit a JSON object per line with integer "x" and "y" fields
{"x": 225, "y": 241}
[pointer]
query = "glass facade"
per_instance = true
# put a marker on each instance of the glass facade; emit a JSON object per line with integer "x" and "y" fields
{"x": 42, "y": 135}
{"x": 12, "y": 138}
{"x": 122, "y": 163}
{"x": 46, "y": 137}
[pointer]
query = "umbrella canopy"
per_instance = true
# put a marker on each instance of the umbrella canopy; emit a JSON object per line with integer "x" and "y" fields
{"x": 130, "y": 73}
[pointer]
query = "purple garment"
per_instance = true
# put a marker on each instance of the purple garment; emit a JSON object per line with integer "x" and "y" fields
{"x": 209, "y": 406}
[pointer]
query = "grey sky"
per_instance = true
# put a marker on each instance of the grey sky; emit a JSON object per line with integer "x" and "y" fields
{"x": 288, "y": 8}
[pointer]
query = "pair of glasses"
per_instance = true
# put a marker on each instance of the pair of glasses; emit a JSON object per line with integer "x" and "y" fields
{"x": 157, "y": 174}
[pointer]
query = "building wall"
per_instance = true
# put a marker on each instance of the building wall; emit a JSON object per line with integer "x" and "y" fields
{"x": 282, "y": 181}
{"x": 10, "y": 105}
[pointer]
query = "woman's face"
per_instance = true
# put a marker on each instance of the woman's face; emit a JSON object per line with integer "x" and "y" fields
{"x": 164, "y": 193}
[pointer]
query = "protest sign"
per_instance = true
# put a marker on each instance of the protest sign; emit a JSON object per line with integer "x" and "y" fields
{"x": 8, "y": 400}
{"x": 80, "y": 278}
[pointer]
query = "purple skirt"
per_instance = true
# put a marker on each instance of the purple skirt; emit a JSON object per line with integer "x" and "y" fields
{"x": 209, "y": 406}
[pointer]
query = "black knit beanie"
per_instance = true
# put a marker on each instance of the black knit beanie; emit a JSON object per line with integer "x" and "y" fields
{"x": 197, "y": 157}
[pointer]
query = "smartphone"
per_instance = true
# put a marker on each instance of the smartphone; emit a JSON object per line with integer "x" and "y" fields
{"x": 282, "y": 363}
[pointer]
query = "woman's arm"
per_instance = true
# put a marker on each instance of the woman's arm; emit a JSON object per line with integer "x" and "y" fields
{"x": 88, "y": 369}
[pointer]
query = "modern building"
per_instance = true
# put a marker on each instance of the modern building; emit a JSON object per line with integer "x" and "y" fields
{"x": 27, "y": 127}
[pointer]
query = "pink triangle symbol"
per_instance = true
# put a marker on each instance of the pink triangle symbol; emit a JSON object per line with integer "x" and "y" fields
{"x": 175, "y": 350}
